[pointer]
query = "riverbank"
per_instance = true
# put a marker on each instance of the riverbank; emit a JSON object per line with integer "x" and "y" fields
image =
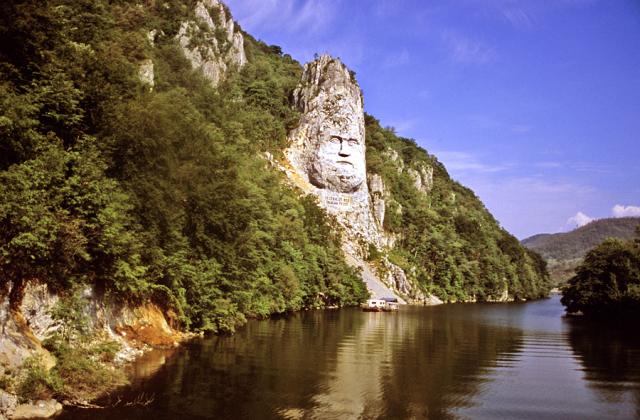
{"x": 69, "y": 350}
{"x": 520, "y": 360}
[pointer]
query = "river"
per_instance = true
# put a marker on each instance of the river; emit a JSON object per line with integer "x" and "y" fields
{"x": 492, "y": 361}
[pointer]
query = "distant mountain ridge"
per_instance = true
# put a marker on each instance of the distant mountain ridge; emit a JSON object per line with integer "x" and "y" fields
{"x": 564, "y": 251}
{"x": 575, "y": 244}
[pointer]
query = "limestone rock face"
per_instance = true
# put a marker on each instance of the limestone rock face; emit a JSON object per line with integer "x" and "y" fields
{"x": 223, "y": 46}
{"x": 422, "y": 177}
{"x": 8, "y": 404}
{"x": 326, "y": 158}
{"x": 327, "y": 150}
{"x": 393, "y": 156}
{"x": 25, "y": 323}
{"x": 22, "y": 327}
{"x": 376, "y": 186}
{"x": 36, "y": 307}
{"x": 41, "y": 409}
{"x": 397, "y": 278}
{"x": 146, "y": 73}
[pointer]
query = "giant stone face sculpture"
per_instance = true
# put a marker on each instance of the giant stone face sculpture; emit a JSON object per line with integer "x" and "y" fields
{"x": 338, "y": 163}
{"x": 335, "y": 145}
{"x": 328, "y": 146}
{"x": 326, "y": 158}
{"x": 327, "y": 149}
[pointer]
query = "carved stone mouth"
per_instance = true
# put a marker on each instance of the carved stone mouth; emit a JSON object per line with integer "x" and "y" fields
{"x": 344, "y": 162}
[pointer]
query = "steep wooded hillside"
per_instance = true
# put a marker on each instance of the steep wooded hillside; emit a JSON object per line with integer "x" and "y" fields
{"x": 135, "y": 149}
{"x": 575, "y": 244}
{"x": 565, "y": 251}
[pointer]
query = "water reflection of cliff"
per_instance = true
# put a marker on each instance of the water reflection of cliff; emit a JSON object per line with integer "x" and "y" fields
{"x": 610, "y": 356}
{"x": 332, "y": 364}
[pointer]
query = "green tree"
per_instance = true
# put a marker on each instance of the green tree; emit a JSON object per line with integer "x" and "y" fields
{"x": 607, "y": 282}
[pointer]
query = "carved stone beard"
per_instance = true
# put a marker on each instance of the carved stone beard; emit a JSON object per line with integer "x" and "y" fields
{"x": 337, "y": 161}
{"x": 344, "y": 178}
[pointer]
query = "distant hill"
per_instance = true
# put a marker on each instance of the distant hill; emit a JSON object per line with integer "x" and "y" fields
{"x": 564, "y": 251}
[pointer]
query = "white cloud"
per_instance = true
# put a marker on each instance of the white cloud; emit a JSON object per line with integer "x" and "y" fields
{"x": 302, "y": 16}
{"x": 518, "y": 17}
{"x": 466, "y": 50}
{"x": 461, "y": 163}
{"x": 579, "y": 220}
{"x": 625, "y": 211}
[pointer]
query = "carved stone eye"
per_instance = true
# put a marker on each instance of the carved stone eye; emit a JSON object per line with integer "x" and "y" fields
{"x": 335, "y": 140}
{"x": 352, "y": 142}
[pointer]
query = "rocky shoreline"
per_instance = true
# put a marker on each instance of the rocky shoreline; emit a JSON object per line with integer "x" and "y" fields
{"x": 26, "y": 321}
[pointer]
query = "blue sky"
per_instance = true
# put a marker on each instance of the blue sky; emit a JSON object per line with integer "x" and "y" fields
{"x": 533, "y": 104}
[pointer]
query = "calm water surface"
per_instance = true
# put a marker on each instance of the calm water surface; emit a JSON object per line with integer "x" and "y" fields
{"x": 510, "y": 361}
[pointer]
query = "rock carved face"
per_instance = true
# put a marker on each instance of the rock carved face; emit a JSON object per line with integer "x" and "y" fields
{"x": 339, "y": 160}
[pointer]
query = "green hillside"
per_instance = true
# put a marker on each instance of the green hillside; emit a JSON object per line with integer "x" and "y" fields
{"x": 166, "y": 194}
{"x": 565, "y": 251}
{"x": 448, "y": 240}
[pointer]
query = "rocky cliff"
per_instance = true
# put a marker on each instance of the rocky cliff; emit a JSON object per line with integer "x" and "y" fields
{"x": 326, "y": 158}
{"x": 27, "y": 319}
{"x": 212, "y": 42}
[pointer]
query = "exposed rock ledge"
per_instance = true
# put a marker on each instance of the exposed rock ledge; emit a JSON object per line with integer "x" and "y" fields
{"x": 221, "y": 46}
{"x": 25, "y": 321}
{"x": 41, "y": 409}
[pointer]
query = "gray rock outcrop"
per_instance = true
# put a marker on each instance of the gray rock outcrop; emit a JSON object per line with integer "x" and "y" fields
{"x": 212, "y": 42}
{"x": 326, "y": 158}
{"x": 422, "y": 177}
{"x": 146, "y": 73}
{"x": 327, "y": 151}
{"x": 377, "y": 189}
{"x": 23, "y": 326}
{"x": 8, "y": 404}
{"x": 26, "y": 320}
{"x": 41, "y": 409}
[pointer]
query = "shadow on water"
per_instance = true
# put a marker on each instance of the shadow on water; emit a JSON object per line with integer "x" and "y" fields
{"x": 468, "y": 361}
{"x": 610, "y": 355}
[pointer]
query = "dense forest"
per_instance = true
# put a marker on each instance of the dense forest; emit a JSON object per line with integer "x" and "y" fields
{"x": 607, "y": 283}
{"x": 448, "y": 240}
{"x": 160, "y": 194}
{"x": 576, "y": 244}
{"x": 565, "y": 251}
{"x": 166, "y": 193}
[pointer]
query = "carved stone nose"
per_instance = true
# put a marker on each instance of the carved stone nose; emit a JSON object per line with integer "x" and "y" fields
{"x": 344, "y": 149}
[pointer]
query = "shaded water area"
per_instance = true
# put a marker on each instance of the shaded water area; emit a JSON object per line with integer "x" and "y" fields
{"x": 506, "y": 361}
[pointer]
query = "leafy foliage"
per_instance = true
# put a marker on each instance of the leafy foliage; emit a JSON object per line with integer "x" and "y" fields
{"x": 160, "y": 195}
{"x": 565, "y": 251}
{"x": 37, "y": 382}
{"x": 457, "y": 248}
{"x": 607, "y": 283}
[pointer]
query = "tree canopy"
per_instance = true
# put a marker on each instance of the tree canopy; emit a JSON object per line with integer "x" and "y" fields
{"x": 607, "y": 283}
{"x": 168, "y": 194}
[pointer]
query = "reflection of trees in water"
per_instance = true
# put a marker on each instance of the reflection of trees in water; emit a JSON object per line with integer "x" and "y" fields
{"x": 442, "y": 361}
{"x": 267, "y": 369}
{"x": 610, "y": 355}
{"x": 333, "y": 364}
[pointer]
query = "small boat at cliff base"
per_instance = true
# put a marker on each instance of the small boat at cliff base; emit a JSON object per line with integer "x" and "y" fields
{"x": 381, "y": 305}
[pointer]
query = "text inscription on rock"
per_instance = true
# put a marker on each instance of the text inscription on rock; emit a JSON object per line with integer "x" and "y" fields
{"x": 337, "y": 200}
